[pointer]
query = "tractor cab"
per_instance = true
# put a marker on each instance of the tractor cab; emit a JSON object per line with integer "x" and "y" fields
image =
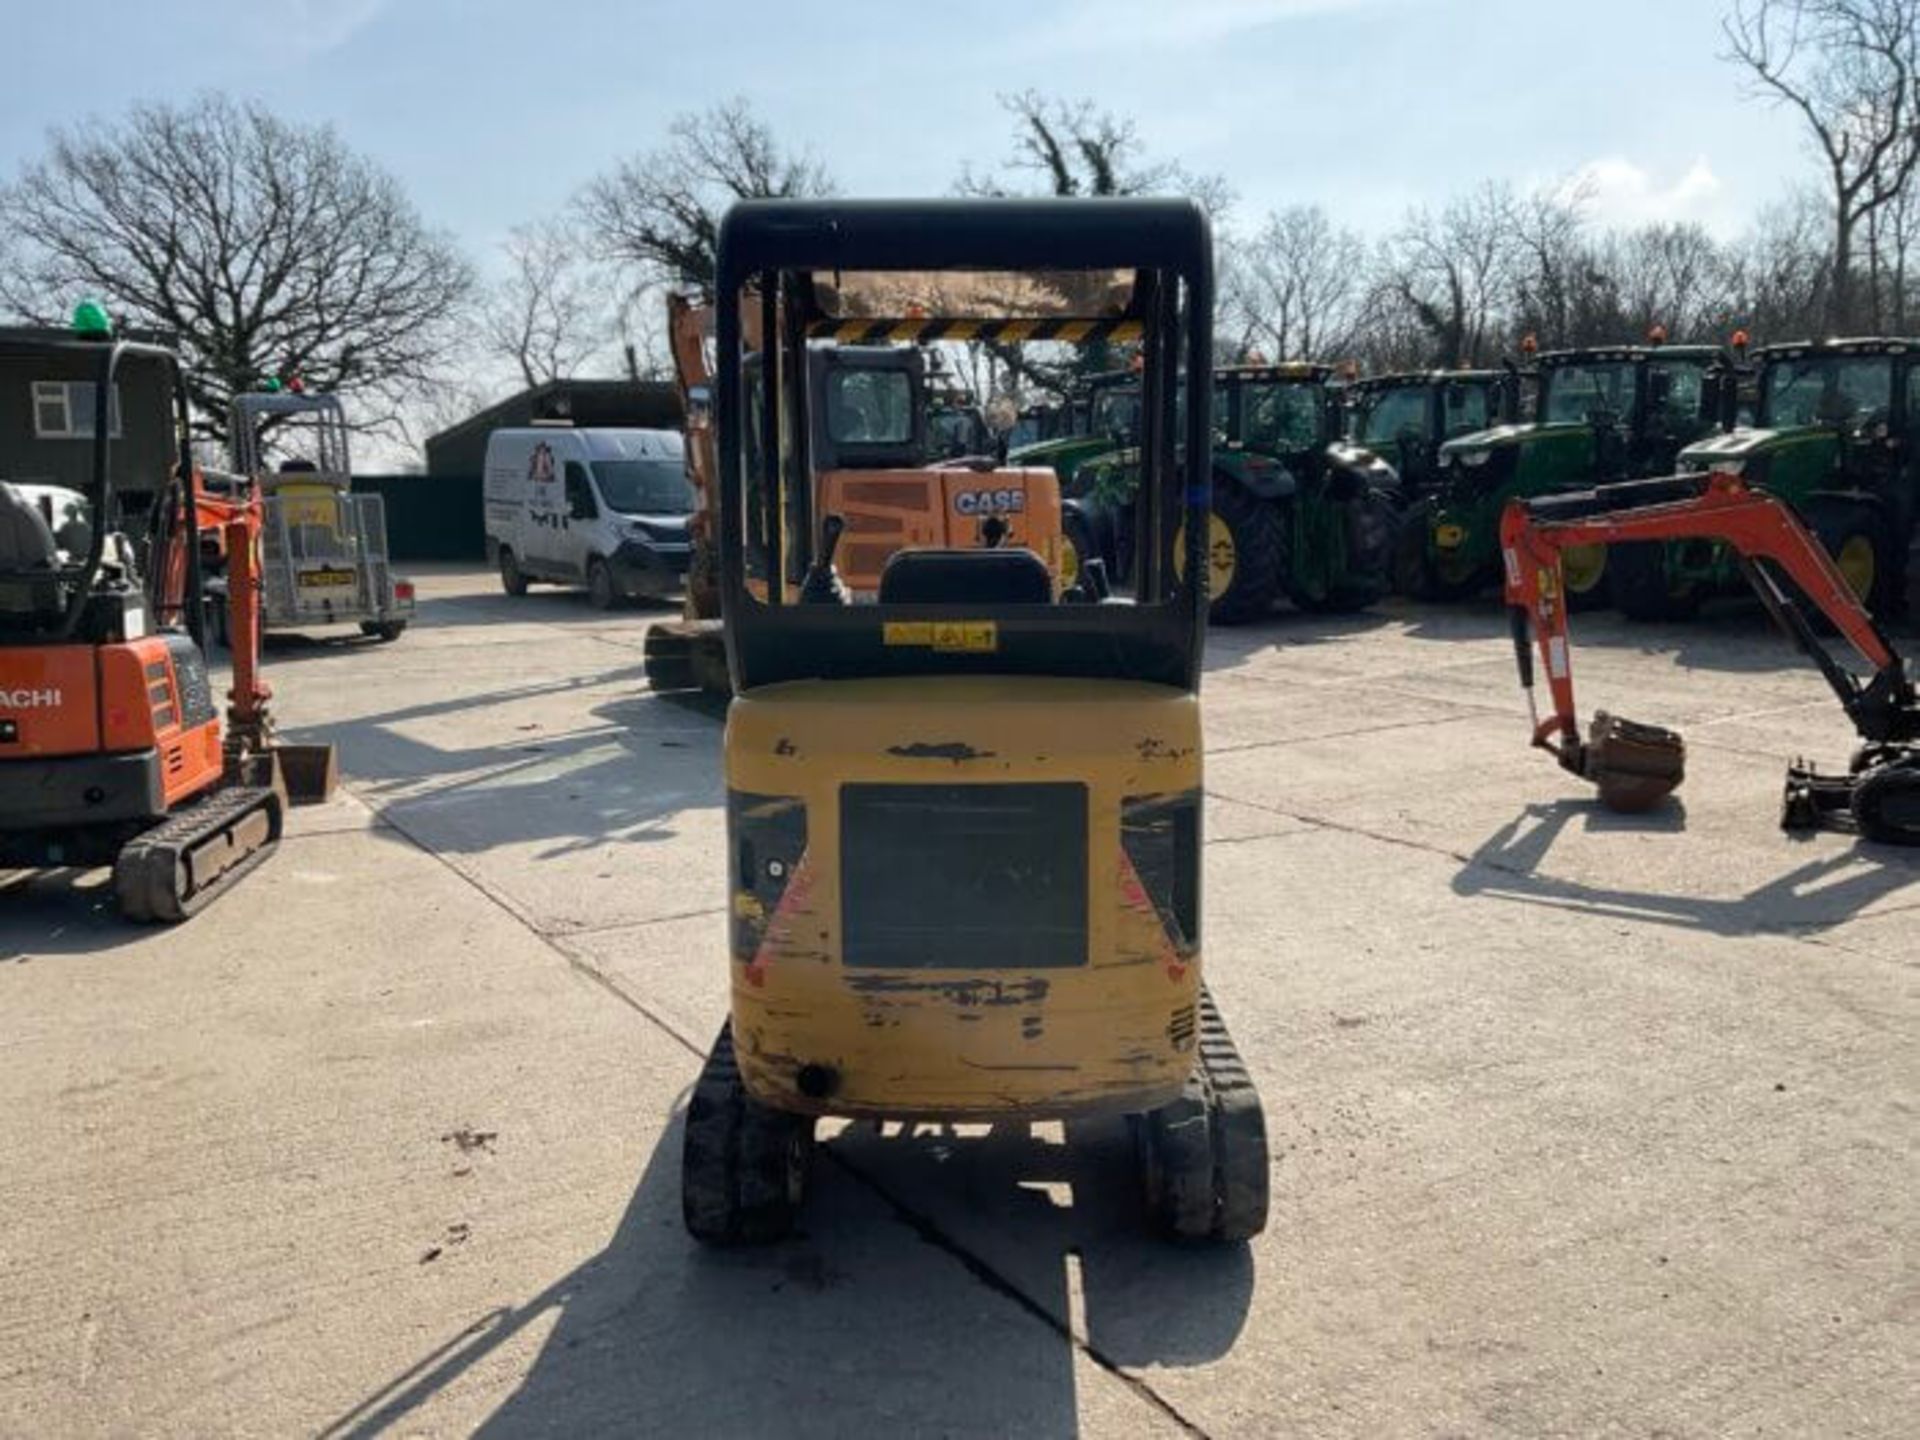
{"x": 1832, "y": 435}
{"x": 1406, "y": 418}
{"x": 964, "y": 815}
{"x": 1297, "y": 510}
{"x": 1601, "y": 415}
{"x": 1102, "y": 416}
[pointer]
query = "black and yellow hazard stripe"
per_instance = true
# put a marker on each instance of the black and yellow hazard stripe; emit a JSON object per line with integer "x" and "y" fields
{"x": 925, "y": 331}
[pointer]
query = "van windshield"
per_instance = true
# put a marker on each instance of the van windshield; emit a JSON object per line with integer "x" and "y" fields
{"x": 644, "y": 487}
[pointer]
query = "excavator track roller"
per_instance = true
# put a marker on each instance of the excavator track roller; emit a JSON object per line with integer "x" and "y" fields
{"x": 1635, "y": 766}
{"x": 177, "y": 868}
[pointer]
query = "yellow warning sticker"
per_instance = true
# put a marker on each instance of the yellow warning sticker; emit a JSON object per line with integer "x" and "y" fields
{"x": 972, "y": 637}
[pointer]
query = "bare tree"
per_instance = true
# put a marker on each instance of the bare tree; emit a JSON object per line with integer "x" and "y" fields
{"x": 1850, "y": 68}
{"x": 1453, "y": 273}
{"x": 659, "y": 213}
{"x": 265, "y": 247}
{"x": 545, "y": 316}
{"x": 1076, "y": 149}
{"x": 1673, "y": 276}
{"x": 1780, "y": 271}
{"x": 1295, "y": 288}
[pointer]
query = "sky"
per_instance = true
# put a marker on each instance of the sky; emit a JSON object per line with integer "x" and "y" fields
{"x": 493, "y": 113}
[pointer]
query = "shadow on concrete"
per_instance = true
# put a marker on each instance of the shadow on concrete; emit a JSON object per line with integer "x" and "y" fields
{"x": 1815, "y": 896}
{"x": 61, "y": 912}
{"x": 627, "y": 768}
{"x": 872, "y": 1319}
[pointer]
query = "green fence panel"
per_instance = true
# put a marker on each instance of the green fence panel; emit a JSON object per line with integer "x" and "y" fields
{"x": 430, "y": 517}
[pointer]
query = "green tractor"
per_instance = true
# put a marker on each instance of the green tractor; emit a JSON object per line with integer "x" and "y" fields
{"x": 1407, "y": 418}
{"x": 1604, "y": 415}
{"x": 1111, "y": 405}
{"x": 1834, "y": 437}
{"x": 1296, "y": 508}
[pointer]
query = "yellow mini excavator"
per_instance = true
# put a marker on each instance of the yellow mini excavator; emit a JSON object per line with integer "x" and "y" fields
{"x": 964, "y": 815}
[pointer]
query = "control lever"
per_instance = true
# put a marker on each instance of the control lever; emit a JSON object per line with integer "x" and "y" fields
{"x": 822, "y": 585}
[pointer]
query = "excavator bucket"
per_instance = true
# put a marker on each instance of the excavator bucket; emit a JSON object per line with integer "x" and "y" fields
{"x": 309, "y": 772}
{"x": 1635, "y": 766}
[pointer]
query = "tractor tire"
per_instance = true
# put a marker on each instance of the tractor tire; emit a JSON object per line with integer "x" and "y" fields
{"x": 512, "y": 580}
{"x": 1077, "y": 547}
{"x": 601, "y": 593}
{"x": 1255, "y": 561}
{"x": 1584, "y": 573}
{"x": 1641, "y": 587}
{"x": 1371, "y": 537}
{"x": 1411, "y": 529}
{"x": 1857, "y": 538}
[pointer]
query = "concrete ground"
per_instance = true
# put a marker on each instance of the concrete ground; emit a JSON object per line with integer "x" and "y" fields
{"x": 1582, "y": 1125}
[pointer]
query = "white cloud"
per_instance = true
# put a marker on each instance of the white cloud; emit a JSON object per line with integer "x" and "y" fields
{"x": 1620, "y": 194}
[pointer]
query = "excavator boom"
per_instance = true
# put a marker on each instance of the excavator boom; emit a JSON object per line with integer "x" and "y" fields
{"x": 1635, "y": 766}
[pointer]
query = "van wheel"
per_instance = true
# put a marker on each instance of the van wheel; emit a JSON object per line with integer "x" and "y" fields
{"x": 383, "y": 630}
{"x": 600, "y": 592}
{"x": 511, "y": 580}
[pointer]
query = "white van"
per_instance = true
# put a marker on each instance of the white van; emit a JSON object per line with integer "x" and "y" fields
{"x": 605, "y": 509}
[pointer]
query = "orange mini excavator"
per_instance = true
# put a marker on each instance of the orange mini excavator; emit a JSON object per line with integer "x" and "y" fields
{"x": 111, "y": 748}
{"x": 1635, "y": 765}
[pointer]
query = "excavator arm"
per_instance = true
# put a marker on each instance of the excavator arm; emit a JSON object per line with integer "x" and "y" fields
{"x": 1635, "y": 766}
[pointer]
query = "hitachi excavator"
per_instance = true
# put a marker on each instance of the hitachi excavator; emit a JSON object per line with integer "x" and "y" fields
{"x": 111, "y": 748}
{"x": 1635, "y": 766}
{"x": 869, "y": 446}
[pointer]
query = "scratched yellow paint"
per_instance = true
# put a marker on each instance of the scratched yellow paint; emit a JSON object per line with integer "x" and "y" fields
{"x": 1113, "y": 1035}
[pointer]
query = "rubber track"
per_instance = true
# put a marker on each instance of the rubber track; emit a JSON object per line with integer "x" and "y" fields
{"x": 1207, "y": 1159}
{"x": 146, "y": 873}
{"x": 733, "y": 1175}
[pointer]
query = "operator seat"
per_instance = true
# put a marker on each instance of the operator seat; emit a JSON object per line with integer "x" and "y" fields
{"x": 26, "y": 541}
{"x": 966, "y": 577}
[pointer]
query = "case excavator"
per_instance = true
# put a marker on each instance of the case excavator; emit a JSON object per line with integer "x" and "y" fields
{"x": 878, "y": 462}
{"x": 112, "y": 751}
{"x": 1635, "y": 766}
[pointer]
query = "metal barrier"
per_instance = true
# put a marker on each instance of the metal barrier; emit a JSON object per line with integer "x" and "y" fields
{"x": 326, "y": 558}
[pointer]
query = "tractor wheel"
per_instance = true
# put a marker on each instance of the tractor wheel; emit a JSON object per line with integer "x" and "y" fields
{"x": 1583, "y": 570}
{"x": 1077, "y": 547}
{"x": 743, "y": 1165}
{"x": 1451, "y": 575}
{"x": 1245, "y": 558}
{"x": 511, "y": 579}
{"x": 1371, "y": 537}
{"x": 1856, "y": 537}
{"x": 600, "y": 592}
{"x": 1642, "y": 587}
{"x": 1410, "y": 550}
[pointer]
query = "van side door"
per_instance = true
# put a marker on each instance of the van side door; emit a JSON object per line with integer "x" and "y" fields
{"x": 578, "y": 519}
